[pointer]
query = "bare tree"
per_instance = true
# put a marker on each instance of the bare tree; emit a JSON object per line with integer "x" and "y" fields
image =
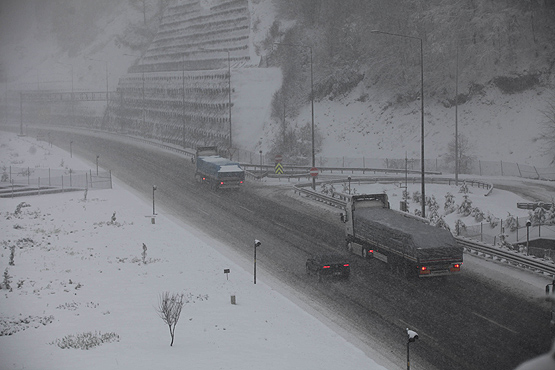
{"x": 169, "y": 309}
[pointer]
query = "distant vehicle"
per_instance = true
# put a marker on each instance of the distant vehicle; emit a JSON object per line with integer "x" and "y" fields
{"x": 407, "y": 243}
{"x": 216, "y": 171}
{"x": 328, "y": 265}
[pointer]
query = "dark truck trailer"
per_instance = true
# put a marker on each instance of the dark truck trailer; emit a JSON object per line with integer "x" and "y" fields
{"x": 407, "y": 243}
{"x": 216, "y": 171}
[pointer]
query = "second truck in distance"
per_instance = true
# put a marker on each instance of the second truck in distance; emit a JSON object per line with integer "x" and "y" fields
{"x": 216, "y": 171}
{"x": 407, "y": 243}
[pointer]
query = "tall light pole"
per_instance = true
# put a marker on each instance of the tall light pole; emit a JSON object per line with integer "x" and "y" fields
{"x": 228, "y": 97}
{"x": 72, "y": 101}
{"x": 311, "y": 103}
{"x": 183, "y": 99}
{"x": 229, "y": 101}
{"x": 107, "y": 91}
{"x": 457, "y": 120}
{"x": 143, "y": 90}
{"x": 421, "y": 109}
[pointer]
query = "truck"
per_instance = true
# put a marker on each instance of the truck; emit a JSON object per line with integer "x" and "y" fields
{"x": 216, "y": 171}
{"x": 409, "y": 244}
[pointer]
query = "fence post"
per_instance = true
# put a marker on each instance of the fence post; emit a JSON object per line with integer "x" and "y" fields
{"x": 49, "y": 183}
{"x": 518, "y": 168}
{"x": 28, "y": 176}
{"x": 537, "y": 173}
{"x": 501, "y": 168}
{"x": 10, "y": 173}
{"x": 480, "y": 166}
{"x": 111, "y": 179}
{"x": 39, "y": 185}
{"x": 481, "y": 231}
{"x": 363, "y": 165}
{"x": 62, "y": 183}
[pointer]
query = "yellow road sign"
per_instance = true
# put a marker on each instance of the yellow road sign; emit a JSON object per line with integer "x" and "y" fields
{"x": 278, "y": 169}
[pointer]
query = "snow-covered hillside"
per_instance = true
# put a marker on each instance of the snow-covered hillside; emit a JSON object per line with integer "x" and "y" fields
{"x": 499, "y": 127}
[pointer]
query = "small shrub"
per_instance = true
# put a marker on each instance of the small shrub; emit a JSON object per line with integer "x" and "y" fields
{"x": 85, "y": 341}
{"x": 7, "y": 281}
{"x": 459, "y": 226}
{"x": 12, "y": 254}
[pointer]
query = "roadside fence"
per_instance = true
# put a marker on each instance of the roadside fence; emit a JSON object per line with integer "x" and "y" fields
{"x": 57, "y": 178}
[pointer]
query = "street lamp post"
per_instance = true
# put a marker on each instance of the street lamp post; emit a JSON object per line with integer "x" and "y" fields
{"x": 229, "y": 101}
{"x": 107, "y": 91}
{"x": 70, "y": 149}
{"x": 412, "y": 337}
{"x": 229, "y": 98}
{"x": 183, "y": 99}
{"x": 143, "y": 90}
{"x": 257, "y": 244}
{"x": 528, "y": 224}
{"x": 72, "y": 101}
{"x": 97, "y": 164}
{"x": 311, "y": 104}
{"x": 421, "y": 109}
{"x": 153, "y": 207}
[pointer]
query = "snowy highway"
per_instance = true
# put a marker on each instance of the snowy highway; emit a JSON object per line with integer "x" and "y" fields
{"x": 464, "y": 322}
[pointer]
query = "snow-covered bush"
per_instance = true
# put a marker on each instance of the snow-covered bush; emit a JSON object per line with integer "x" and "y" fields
{"x": 7, "y": 281}
{"x": 503, "y": 241}
{"x": 432, "y": 203}
{"x": 459, "y": 226}
{"x": 464, "y": 188}
{"x": 511, "y": 222}
{"x": 9, "y": 326}
{"x": 85, "y": 340}
{"x": 416, "y": 197}
{"x": 449, "y": 206}
{"x": 144, "y": 253}
{"x": 12, "y": 254}
{"x": 466, "y": 206}
{"x": 477, "y": 214}
{"x": 492, "y": 220}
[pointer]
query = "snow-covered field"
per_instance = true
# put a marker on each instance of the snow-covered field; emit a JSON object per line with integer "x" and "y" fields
{"x": 76, "y": 271}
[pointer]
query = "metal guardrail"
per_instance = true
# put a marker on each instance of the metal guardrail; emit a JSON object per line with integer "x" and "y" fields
{"x": 471, "y": 246}
{"x": 512, "y": 258}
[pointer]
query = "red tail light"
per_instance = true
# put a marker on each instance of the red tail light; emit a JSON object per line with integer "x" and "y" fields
{"x": 221, "y": 183}
{"x": 325, "y": 267}
{"x": 371, "y": 251}
{"x": 457, "y": 266}
{"x": 423, "y": 268}
{"x": 346, "y": 265}
{"x": 240, "y": 182}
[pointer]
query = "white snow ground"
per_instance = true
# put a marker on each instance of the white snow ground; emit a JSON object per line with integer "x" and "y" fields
{"x": 77, "y": 272}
